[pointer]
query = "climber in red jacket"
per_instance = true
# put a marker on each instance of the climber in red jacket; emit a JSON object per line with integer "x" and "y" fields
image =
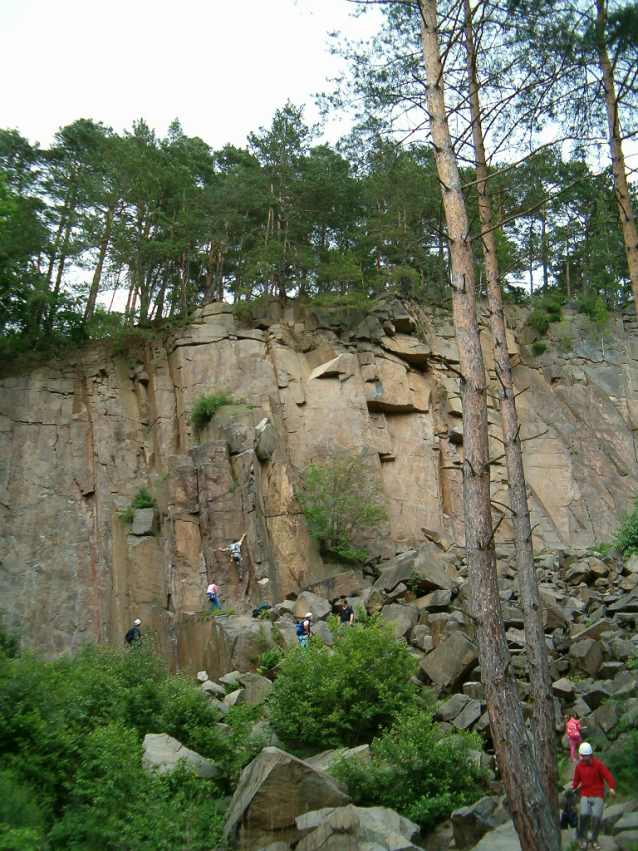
{"x": 590, "y": 775}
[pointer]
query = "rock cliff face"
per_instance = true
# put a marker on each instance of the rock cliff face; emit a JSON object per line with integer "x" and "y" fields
{"x": 79, "y": 437}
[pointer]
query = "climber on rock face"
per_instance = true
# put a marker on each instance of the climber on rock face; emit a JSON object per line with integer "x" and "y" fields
{"x": 211, "y": 593}
{"x": 135, "y": 633}
{"x": 235, "y": 554}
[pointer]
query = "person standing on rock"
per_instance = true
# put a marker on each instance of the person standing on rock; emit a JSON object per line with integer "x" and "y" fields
{"x": 589, "y": 777}
{"x": 304, "y": 630}
{"x": 211, "y": 593}
{"x": 346, "y": 613}
{"x": 235, "y": 554}
{"x": 572, "y": 731}
{"x": 135, "y": 633}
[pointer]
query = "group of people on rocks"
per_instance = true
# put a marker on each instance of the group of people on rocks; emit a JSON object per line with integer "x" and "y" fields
{"x": 590, "y": 777}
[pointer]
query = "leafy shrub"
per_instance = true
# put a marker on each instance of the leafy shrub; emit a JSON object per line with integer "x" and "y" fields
{"x": 206, "y": 407}
{"x": 626, "y": 538}
{"x": 622, "y": 761}
{"x": 551, "y": 304}
{"x": 539, "y": 348}
{"x": 594, "y": 307}
{"x": 142, "y": 499}
{"x": 539, "y": 320}
{"x": 268, "y": 660}
{"x": 341, "y": 499}
{"x": 565, "y": 343}
{"x": 415, "y": 772}
{"x": 342, "y": 695}
{"x": 70, "y": 751}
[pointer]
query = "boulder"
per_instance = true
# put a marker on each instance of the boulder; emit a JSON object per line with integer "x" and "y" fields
{"x": 587, "y": 655}
{"x": 255, "y": 689}
{"x": 309, "y": 602}
{"x": 473, "y": 822}
{"x": 612, "y": 814}
{"x": 437, "y": 601}
{"x": 322, "y": 631}
{"x": 353, "y": 827}
{"x": 402, "y": 618}
{"x": 564, "y": 688}
{"x": 451, "y": 708}
{"x": 595, "y": 630}
{"x": 163, "y": 753}
{"x": 596, "y": 696}
{"x": 273, "y": 790}
{"x": 346, "y": 584}
{"x": 627, "y": 840}
{"x": 202, "y": 676}
{"x": 212, "y": 689}
{"x": 450, "y": 663}
{"x": 628, "y": 821}
{"x": 503, "y": 838}
{"x": 323, "y": 760}
{"x": 469, "y": 715}
{"x": 396, "y": 570}
{"x": 144, "y": 522}
{"x": 406, "y": 347}
{"x": 266, "y": 442}
{"x": 607, "y": 716}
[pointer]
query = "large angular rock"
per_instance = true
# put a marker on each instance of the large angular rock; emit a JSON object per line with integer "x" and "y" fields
{"x": 450, "y": 663}
{"x": 612, "y": 814}
{"x": 503, "y": 838}
{"x": 401, "y": 618}
{"x": 408, "y": 348}
{"x": 346, "y": 584}
{"x": 628, "y": 821}
{"x": 144, "y": 521}
{"x": 353, "y": 827}
{"x": 163, "y": 752}
{"x": 309, "y": 602}
{"x": 586, "y": 655}
{"x": 451, "y": 708}
{"x": 469, "y": 715}
{"x": 627, "y": 840}
{"x": 473, "y": 822}
{"x": 255, "y": 689}
{"x": 273, "y": 790}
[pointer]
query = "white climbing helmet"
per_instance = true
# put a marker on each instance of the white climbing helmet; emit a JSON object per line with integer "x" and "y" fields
{"x": 137, "y": 622}
{"x": 308, "y": 615}
{"x": 585, "y": 749}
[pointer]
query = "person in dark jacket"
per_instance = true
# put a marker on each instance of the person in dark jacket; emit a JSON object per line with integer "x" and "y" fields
{"x": 135, "y": 633}
{"x": 346, "y": 614}
{"x": 590, "y": 776}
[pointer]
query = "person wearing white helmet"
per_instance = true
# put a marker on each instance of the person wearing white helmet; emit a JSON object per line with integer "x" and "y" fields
{"x": 590, "y": 776}
{"x": 304, "y": 629}
{"x": 134, "y": 633}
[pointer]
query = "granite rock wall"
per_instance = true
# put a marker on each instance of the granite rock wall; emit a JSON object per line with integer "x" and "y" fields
{"x": 80, "y": 436}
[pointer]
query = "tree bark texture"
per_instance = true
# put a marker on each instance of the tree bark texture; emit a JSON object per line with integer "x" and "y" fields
{"x": 625, "y": 211}
{"x": 530, "y": 809}
{"x": 539, "y": 675}
{"x": 97, "y": 276}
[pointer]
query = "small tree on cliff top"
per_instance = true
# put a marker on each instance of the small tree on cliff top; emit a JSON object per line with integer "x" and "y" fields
{"x": 341, "y": 498}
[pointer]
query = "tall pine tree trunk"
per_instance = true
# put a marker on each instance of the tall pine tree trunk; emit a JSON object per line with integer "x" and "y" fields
{"x": 539, "y": 675}
{"x": 625, "y": 211}
{"x": 97, "y": 275}
{"x": 532, "y": 815}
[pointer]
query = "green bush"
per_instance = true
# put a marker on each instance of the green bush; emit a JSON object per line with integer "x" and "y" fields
{"x": 551, "y": 304}
{"x": 415, "y": 772}
{"x": 539, "y": 348}
{"x": 342, "y": 695}
{"x": 539, "y": 320}
{"x": 626, "y": 538}
{"x": 142, "y": 499}
{"x": 622, "y": 761}
{"x": 594, "y": 307}
{"x": 341, "y": 499}
{"x": 70, "y": 750}
{"x": 565, "y": 343}
{"x": 206, "y": 407}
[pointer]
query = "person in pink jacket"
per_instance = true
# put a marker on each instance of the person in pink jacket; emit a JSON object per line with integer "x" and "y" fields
{"x": 572, "y": 730}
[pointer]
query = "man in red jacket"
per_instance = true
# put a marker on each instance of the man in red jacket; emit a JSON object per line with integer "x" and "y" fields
{"x": 590, "y": 775}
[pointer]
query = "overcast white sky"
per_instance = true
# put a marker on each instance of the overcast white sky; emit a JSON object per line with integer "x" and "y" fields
{"x": 221, "y": 66}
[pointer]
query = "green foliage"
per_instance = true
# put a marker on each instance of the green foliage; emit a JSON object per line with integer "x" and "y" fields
{"x": 539, "y": 320}
{"x": 594, "y": 307}
{"x": 268, "y": 660}
{"x": 565, "y": 343}
{"x": 632, "y": 663}
{"x": 341, "y": 499}
{"x": 539, "y": 348}
{"x": 206, "y": 407}
{"x": 415, "y": 772}
{"x": 70, "y": 751}
{"x": 622, "y": 761}
{"x": 342, "y": 695}
{"x": 626, "y": 538}
{"x": 142, "y": 499}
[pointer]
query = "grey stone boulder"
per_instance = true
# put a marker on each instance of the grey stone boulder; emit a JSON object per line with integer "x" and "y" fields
{"x": 469, "y": 715}
{"x": 596, "y": 696}
{"x": 564, "y": 688}
{"x": 473, "y": 822}
{"x": 628, "y": 821}
{"x": 163, "y": 753}
{"x": 212, "y": 689}
{"x": 451, "y": 708}
{"x": 374, "y": 828}
{"x": 255, "y": 689}
{"x": 324, "y": 760}
{"x": 144, "y": 522}
{"x": 322, "y": 631}
{"x": 612, "y": 814}
{"x": 451, "y": 662}
{"x": 309, "y": 602}
{"x": 627, "y": 840}
{"x": 586, "y": 655}
{"x": 345, "y": 584}
{"x": 402, "y": 618}
{"x": 503, "y": 838}
{"x": 273, "y": 790}
{"x": 607, "y": 716}
{"x": 267, "y": 440}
